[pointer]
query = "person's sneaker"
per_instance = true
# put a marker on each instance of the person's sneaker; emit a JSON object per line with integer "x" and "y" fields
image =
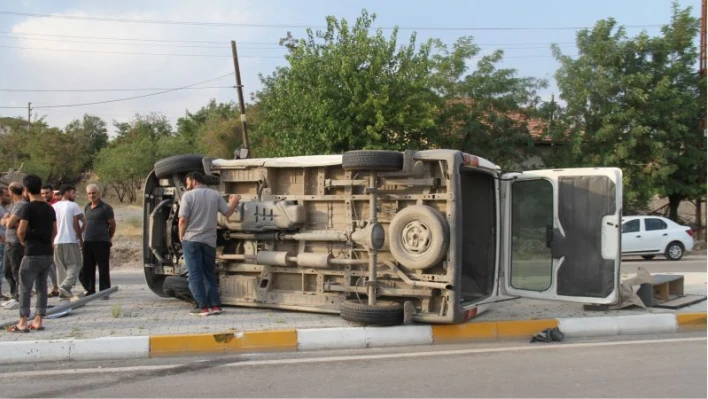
{"x": 11, "y": 304}
{"x": 199, "y": 312}
{"x": 216, "y": 310}
{"x": 54, "y": 292}
{"x": 64, "y": 293}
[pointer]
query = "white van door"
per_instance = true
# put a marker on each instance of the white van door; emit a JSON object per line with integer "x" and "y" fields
{"x": 561, "y": 235}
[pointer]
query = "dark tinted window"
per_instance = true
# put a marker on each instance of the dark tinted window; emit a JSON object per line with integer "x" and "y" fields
{"x": 630, "y": 227}
{"x": 654, "y": 224}
{"x": 531, "y": 216}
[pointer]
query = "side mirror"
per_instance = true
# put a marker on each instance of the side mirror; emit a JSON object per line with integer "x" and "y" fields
{"x": 241, "y": 153}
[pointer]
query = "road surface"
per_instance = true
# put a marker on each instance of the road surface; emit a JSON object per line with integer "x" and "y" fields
{"x": 690, "y": 263}
{"x": 640, "y": 366}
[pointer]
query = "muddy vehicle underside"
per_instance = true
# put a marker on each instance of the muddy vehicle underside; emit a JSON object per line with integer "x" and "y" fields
{"x": 383, "y": 237}
{"x": 367, "y": 233}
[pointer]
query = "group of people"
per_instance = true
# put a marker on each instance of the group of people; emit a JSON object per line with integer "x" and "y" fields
{"x": 45, "y": 234}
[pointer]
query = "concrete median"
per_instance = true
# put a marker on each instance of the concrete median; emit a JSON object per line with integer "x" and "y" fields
{"x": 308, "y": 339}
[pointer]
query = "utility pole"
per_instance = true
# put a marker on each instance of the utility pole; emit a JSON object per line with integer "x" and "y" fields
{"x": 29, "y": 116}
{"x": 241, "y": 103}
{"x": 702, "y": 123}
{"x": 702, "y": 62}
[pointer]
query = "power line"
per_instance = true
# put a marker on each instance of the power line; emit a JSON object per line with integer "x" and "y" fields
{"x": 106, "y": 90}
{"x": 131, "y": 53}
{"x": 135, "y": 39}
{"x": 275, "y": 57}
{"x": 240, "y": 44}
{"x": 126, "y": 98}
{"x": 137, "y": 44}
{"x": 514, "y": 45}
{"x": 246, "y": 25}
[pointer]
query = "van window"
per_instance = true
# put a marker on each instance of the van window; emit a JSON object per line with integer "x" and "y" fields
{"x": 531, "y": 216}
{"x": 654, "y": 224}
{"x": 630, "y": 227}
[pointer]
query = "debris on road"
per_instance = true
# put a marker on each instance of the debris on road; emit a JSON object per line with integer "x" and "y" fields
{"x": 548, "y": 335}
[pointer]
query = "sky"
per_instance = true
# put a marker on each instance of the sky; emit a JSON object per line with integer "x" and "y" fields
{"x": 53, "y": 57}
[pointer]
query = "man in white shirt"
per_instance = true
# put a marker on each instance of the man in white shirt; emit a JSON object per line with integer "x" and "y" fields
{"x": 68, "y": 242}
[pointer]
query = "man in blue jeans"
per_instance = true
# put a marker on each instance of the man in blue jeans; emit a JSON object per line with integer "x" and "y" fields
{"x": 197, "y": 232}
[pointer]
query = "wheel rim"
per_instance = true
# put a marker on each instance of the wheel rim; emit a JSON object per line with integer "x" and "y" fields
{"x": 416, "y": 237}
{"x": 675, "y": 251}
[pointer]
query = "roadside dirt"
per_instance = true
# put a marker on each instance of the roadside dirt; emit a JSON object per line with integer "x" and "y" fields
{"x": 127, "y": 243}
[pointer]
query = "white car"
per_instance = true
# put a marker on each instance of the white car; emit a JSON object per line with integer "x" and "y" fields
{"x": 649, "y": 236}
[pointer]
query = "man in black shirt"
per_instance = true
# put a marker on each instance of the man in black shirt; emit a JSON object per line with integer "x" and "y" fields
{"x": 36, "y": 232}
{"x": 98, "y": 236}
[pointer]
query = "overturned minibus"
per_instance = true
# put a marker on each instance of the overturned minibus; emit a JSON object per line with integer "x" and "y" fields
{"x": 383, "y": 237}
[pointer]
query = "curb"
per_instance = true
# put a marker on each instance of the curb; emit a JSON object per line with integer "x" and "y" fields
{"x": 143, "y": 347}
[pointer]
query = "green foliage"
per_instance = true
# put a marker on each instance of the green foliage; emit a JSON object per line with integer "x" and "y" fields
{"x": 635, "y": 103}
{"x": 55, "y": 155}
{"x": 214, "y": 130}
{"x": 346, "y": 89}
{"x": 12, "y": 142}
{"x": 487, "y": 111}
{"x": 90, "y": 134}
{"x": 131, "y": 155}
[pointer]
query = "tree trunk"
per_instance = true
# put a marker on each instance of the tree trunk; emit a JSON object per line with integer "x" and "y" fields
{"x": 674, "y": 202}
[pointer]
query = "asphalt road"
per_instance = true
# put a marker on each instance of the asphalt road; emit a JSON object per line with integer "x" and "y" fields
{"x": 690, "y": 263}
{"x": 641, "y": 366}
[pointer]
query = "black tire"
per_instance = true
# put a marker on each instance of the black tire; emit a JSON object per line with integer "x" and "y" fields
{"x": 648, "y": 257}
{"x": 155, "y": 282}
{"x": 178, "y": 164}
{"x": 418, "y": 237}
{"x": 177, "y": 287}
{"x": 373, "y": 160}
{"x": 384, "y": 313}
{"x": 674, "y": 251}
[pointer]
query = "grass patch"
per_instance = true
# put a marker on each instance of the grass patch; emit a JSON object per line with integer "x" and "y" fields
{"x": 116, "y": 311}
{"x": 76, "y": 332}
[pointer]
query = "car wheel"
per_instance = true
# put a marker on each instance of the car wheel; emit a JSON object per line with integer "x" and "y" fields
{"x": 178, "y": 287}
{"x": 373, "y": 161}
{"x": 418, "y": 237}
{"x": 674, "y": 251}
{"x": 648, "y": 257}
{"x": 155, "y": 281}
{"x": 384, "y": 313}
{"x": 178, "y": 164}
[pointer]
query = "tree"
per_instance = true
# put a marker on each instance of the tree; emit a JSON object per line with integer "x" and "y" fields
{"x": 91, "y": 134}
{"x": 487, "y": 111}
{"x": 13, "y": 138}
{"x": 128, "y": 159}
{"x": 680, "y": 104}
{"x": 347, "y": 89}
{"x": 214, "y": 130}
{"x": 635, "y": 103}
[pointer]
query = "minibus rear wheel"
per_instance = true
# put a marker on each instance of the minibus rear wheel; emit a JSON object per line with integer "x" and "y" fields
{"x": 384, "y": 313}
{"x": 372, "y": 161}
